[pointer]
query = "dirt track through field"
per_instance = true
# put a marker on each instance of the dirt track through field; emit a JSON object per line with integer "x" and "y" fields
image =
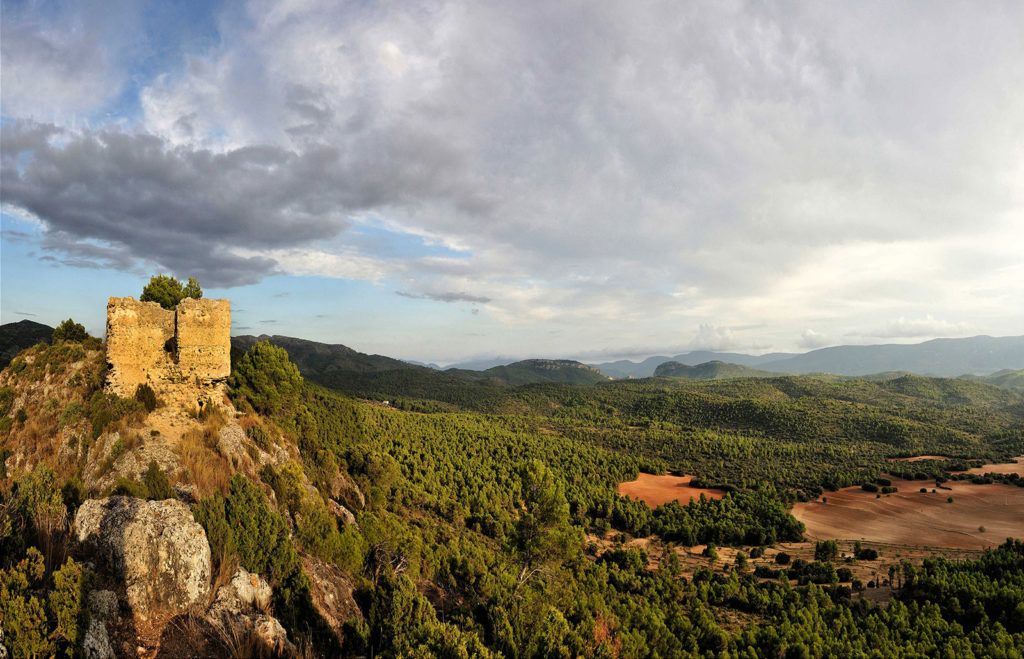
{"x": 655, "y": 490}
{"x": 909, "y": 517}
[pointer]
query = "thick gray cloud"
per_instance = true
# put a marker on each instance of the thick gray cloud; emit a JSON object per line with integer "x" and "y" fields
{"x": 678, "y": 167}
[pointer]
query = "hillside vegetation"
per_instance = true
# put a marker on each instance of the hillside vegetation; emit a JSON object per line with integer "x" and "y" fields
{"x": 477, "y": 518}
{"x": 713, "y": 370}
{"x": 1006, "y": 378}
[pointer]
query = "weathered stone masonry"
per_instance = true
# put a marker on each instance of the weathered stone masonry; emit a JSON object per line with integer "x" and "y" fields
{"x": 188, "y": 345}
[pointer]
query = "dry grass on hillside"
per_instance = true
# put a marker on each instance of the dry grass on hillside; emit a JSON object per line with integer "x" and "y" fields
{"x": 202, "y": 464}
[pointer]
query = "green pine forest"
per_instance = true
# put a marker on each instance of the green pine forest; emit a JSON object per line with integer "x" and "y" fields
{"x": 484, "y": 504}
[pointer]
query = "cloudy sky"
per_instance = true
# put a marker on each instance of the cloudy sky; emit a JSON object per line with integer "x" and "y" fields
{"x": 442, "y": 180}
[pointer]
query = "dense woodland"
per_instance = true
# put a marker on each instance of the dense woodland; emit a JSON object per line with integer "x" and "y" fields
{"x": 483, "y": 505}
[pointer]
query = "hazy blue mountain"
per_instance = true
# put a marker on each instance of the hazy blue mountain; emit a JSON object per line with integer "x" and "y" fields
{"x": 713, "y": 370}
{"x": 15, "y": 337}
{"x": 645, "y": 369}
{"x": 481, "y": 364}
{"x": 976, "y": 355}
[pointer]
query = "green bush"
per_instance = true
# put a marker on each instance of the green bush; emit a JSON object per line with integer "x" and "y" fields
{"x": 168, "y": 291}
{"x": 105, "y": 409}
{"x": 259, "y": 436}
{"x": 22, "y": 611}
{"x": 69, "y": 330}
{"x": 68, "y": 605}
{"x": 243, "y": 524}
{"x": 41, "y": 618}
{"x": 157, "y": 485}
{"x": 145, "y": 395}
{"x": 266, "y": 380}
{"x": 6, "y": 400}
{"x": 826, "y": 550}
{"x": 154, "y": 485}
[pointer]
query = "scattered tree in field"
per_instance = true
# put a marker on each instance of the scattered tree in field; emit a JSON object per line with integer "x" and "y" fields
{"x": 826, "y": 550}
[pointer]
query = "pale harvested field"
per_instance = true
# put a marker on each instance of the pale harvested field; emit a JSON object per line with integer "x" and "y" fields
{"x": 911, "y": 518}
{"x": 1004, "y": 468}
{"x": 655, "y": 490}
{"x": 919, "y": 458}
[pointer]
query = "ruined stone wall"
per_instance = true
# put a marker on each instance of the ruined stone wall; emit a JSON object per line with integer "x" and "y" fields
{"x": 187, "y": 346}
{"x": 204, "y": 339}
{"x": 137, "y": 343}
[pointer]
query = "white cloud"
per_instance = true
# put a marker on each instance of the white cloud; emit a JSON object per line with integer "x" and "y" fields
{"x": 619, "y": 171}
{"x": 914, "y": 328}
{"x": 710, "y": 337}
{"x": 812, "y": 340}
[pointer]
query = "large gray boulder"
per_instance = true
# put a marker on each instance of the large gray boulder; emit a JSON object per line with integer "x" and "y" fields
{"x": 241, "y": 609}
{"x": 156, "y": 547}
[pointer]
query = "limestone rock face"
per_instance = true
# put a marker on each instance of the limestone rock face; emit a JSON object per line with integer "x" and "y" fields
{"x": 342, "y": 513}
{"x": 157, "y": 547}
{"x": 102, "y": 612}
{"x": 332, "y": 594}
{"x": 241, "y": 608}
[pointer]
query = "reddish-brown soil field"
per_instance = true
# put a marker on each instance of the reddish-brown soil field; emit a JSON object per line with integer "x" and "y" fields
{"x": 656, "y": 490}
{"x": 919, "y": 458}
{"x": 911, "y": 518}
{"x": 1005, "y": 468}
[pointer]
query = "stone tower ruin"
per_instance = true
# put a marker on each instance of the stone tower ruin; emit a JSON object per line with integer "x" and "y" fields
{"x": 185, "y": 347}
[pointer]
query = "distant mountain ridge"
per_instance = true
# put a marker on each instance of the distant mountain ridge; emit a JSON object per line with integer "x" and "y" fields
{"x": 15, "y": 337}
{"x": 531, "y": 371}
{"x": 331, "y": 364}
{"x": 976, "y": 355}
{"x": 624, "y": 368}
{"x": 713, "y": 370}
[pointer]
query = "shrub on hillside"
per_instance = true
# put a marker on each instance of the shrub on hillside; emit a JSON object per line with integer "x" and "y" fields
{"x": 154, "y": 485}
{"x": 26, "y": 600}
{"x": 242, "y": 525}
{"x": 105, "y": 409}
{"x": 145, "y": 395}
{"x": 266, "y": 380}
{"x": 69, "y": 330}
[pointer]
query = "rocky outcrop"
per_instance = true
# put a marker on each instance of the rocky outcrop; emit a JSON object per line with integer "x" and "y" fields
{"x": 242, "y": 609}
{"x": 344, "y": 489}
{"x": 156, "y": 547}
{"x": 102, "y": 615}
{"x": 343, "y": 514}
{"x": 331, "y": 592}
